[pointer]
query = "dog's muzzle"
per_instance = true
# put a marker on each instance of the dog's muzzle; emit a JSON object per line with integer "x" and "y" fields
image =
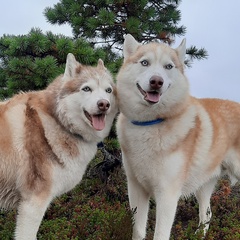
{"x": 97, "y": 120}
{"x": 153, "y": 94}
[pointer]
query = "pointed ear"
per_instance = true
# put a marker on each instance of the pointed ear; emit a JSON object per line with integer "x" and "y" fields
{"x": 71, "y": 65}
{"x": 101, "y": 64}
{"x": 130, "y": 46}
{"x": 181, "y": 50}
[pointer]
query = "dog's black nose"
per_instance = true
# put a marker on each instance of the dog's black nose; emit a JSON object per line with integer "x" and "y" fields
{"x": 103, "y": 104}
{"x": 156, "y": 82}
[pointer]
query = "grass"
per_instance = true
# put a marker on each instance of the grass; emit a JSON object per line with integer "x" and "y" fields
{"x": 99, "y": 210}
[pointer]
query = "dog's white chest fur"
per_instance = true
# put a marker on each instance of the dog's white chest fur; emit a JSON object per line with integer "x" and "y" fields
{"x": 67, "y": 177}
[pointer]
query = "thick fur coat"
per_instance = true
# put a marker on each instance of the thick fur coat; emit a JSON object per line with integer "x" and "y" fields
{"x": 48, "y": 137}
{"x": 173, "y": 144}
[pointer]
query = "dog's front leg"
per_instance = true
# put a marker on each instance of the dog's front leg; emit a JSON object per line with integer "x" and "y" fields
{"x": 30, "y": 214}
{"x": 166, "y": 203}
{"x": 139, "y": 202}
{"x": 203, "y": 196}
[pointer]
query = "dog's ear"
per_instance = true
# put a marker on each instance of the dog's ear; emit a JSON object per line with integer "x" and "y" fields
{"x": 101, "y": 65}
{"x": 130, "y": 46}
{"x": 181, "y": 51}
{"x": 71, "y": 65}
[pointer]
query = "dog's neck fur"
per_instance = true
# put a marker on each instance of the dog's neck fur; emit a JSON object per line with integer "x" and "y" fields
{"x": 50, "y": 95}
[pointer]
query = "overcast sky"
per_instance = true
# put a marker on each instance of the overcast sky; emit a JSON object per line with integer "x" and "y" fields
{"x": 214, "y": 25}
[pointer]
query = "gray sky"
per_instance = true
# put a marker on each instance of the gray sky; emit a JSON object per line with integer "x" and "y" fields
{"x": 214, "y": 25}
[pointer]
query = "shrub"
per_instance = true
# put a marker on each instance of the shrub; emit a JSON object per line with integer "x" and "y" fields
{"x": 99, "y": 210}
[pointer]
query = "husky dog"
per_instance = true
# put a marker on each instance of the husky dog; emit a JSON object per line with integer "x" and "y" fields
{"x": 172, "y": 143}
{"x": 47, "y": 139}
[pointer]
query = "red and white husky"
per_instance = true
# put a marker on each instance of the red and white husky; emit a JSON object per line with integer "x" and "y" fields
{"x": 172, "y": 143}
{"x": 48, "y": 137}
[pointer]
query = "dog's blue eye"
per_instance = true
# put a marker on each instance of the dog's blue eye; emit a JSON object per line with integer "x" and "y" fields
{"x": 86, "y": 89}
{"x": 169, "y": 66}
{"x": 108, "y": 90}
{"x": 144, "y": 63}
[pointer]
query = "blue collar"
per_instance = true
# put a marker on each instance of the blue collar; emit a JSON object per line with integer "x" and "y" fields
{"x": 148, "y": 123}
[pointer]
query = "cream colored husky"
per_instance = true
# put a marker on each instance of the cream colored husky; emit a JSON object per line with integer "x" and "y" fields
{"x": 48, "y": 137}
{"x": 172, "y": 144}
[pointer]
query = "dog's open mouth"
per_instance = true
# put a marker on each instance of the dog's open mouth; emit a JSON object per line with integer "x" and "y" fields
{"x": 151, "y": 96}
{"x": 96, "y": 120}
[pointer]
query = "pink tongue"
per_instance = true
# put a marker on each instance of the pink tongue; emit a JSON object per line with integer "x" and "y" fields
{"x": 98, "y": 122}
{"x": 153, "y": 97}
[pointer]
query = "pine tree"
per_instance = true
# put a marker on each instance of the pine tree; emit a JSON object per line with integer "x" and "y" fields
{"x": 107, "y": 21}
{"x": 104, "y": 21}
{"x": 30, "y": 62}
